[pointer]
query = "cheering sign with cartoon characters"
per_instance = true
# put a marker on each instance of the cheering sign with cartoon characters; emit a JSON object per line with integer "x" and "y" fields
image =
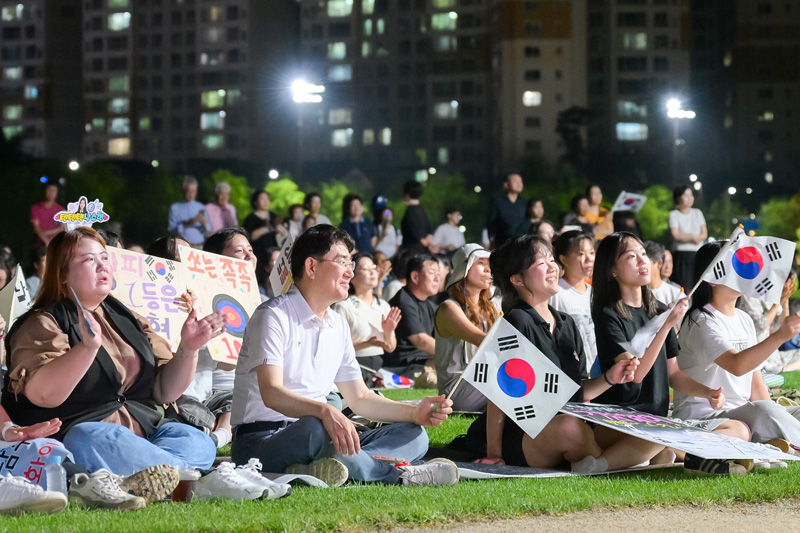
{"x": 82, "y": 214}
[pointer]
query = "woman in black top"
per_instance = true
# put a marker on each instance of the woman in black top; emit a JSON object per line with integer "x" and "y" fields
{"x": 526, "y": 269}
{"x": 622, "y": 303}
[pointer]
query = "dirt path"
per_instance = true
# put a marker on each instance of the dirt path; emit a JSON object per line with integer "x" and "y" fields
{"x": 738, "y": 517}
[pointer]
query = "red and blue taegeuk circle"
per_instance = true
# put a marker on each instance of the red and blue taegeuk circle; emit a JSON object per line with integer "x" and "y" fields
{"x": 747, "y": 262}
{"x": 401, "y": 381}
{"x": 160, "y": 269}
{"x": 236, "y": 317}
{"x": 629, "y": 201}
{"x": 516, "y": 378}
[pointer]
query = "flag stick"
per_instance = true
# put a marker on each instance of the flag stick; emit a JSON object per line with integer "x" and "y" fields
{"x": 370, "y": 370}
{"x": 460, "y": 378}
{"x": 739, "y": 230}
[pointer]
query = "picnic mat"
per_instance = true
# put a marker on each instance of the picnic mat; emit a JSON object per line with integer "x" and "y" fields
{"x": 483, "y": 471}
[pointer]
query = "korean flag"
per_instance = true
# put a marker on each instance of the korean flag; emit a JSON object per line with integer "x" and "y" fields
{"x": 755, "y": 266}
{"x": 519, "y": 379}
{"x": 627, "y": 201}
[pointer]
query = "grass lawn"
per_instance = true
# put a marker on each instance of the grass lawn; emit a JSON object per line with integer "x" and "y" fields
{"x": 366, "y": 508}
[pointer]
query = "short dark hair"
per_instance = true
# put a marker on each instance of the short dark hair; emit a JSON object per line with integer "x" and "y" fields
{"x": 317, "y": 241}
{"x": 254, "y": 198}
{"x": 413, "y": 189}
{"x": 576, "y": 200}
{"x": 514, "y": 257}
{"x": 529, "y": 206}
{"x": 569, "y": 241}
{"x": 655, "y": 250}
{"x": 589, "y": 188}
{"x": 417, "y": 262}
{"x": 111, "y": 237}
{"x": 165, "y": 247}
{"x": 677, "y": 192}
{"x": 307, "y": 200}
{"x": 217, "y": 242}
{"x": 449, "y": 210}
{"x": 347, "y": 202}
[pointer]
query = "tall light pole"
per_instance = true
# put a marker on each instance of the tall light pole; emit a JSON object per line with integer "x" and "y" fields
{"x": 676, "y": 113}
{"x": 304, "y": 93}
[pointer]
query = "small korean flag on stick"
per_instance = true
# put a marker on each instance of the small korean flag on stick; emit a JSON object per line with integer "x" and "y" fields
{"x": 518, "y": 378}
{"x": 755, "y": 266}
{"x": 628, "y": 201}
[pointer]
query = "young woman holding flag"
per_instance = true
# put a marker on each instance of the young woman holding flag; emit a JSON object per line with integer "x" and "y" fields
{"x": 622, "y": 304}
{"x": 526, "y": 270}
{"x": 720, "y": 350}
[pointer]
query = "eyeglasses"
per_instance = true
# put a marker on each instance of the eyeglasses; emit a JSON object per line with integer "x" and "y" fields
{"x": 368, "y": 268}
{"x": 342, "y": 262}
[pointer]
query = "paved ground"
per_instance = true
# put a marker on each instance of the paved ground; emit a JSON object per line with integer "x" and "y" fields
{"x": 740, "y": 517}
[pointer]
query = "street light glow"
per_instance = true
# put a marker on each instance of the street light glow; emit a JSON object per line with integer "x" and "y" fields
{"x": 693, "y": 177}
{"x": 306, "y": 93}
{"x": 431, "y": 171}
{"x": 273, "y": 174}
{"x": 731, "y": 190}
{"x": 477, "y": 189}
{"x": 698, "y": 185}
{"x": 673, "y": 104}
{"x": 74, "y": 165}
{"x": 748, "y": 190}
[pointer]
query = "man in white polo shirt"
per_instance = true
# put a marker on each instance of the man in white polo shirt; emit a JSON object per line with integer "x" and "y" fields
{"x": 295, "y": 347}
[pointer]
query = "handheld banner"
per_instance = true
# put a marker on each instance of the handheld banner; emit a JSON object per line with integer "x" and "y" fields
{"x": 149, "y": 285}
{"x": 280, "y": 279}
{"x": 82, "y": 214}
{"x": 674, "y": 433}
{"x": 223, "y": 285}
{"x": 519, "y": 379}
{"x": 14, "y": 298}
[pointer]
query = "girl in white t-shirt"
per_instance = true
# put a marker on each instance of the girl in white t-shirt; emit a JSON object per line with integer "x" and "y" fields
{"x": 719, "y": 348}
{"x": 574, "y": 252}
{"x": 372, "y": 322}
{"x": 688, "y": 228}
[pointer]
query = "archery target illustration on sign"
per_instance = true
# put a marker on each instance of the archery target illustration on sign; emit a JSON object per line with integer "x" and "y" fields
{"x": 236, "y": 318}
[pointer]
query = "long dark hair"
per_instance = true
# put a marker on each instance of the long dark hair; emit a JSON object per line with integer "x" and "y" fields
{"x": 605, "y": 287}
{"x": 702, "y": 296}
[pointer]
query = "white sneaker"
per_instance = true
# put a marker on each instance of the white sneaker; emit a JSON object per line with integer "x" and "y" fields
{"x": 100, "y": 490}
{"x": 18, "y": 495}
{"x": 226, "y": 482}
{"x": 252, "y": 473}
{"x": 434, "y": 472}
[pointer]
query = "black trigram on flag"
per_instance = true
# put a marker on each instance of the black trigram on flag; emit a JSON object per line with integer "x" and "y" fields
{"x": 525, "y": 412}
{"x": 151, "y": 275}
{"x": 481, "y": 370}
{"x": 169, "y": 278}
{"x": 551, "y": 383}
{"x": 149, "y": 260}
{"x": 719, "y": 270}
{"x": 773, "y": 251}
{"x": 508, "y": 343}
{"x": 764, "y": 286}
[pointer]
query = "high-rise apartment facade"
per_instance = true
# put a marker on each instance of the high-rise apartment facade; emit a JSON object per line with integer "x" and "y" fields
{"x": 40, "y": 87}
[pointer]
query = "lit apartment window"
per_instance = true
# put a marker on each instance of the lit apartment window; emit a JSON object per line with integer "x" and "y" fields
{"x": 119, "y": 22}
{"x": 443, "y": 156}
{"x": 12, "y": 112}
{"x": 444, "y": 4}
{"x": 340, "y": 116}
{"x": 121, "y": 146}
{"x": 212, "y": 14}
{"x": 211, "y": 99}
{"x": 212, "y": 35}
{"x": 445, "y": 43}
{"x": 446, "y": 110}
{"x": 368, "y": 27}
{"x": 768, "y": 177}
{"x": 631, "y": 109}
{"x": 340, "y": 73}
{"x": 119, "y": 105}
{"x": 119, "y": 83}
{"x": 117, "y": 4}
{"x": 144, "y": 124}
{"x": 531, "y": 98}
{"x": 9, "y": 132}
{"x": 212, "y": 121}
{"x": 368, "y": 137}
{"x": 10, "y": 13}
{"x": 631, "y": 131}
{"x": 386, "y": 136}
{"x": 337, "y": 50}
{"x": 214, "y": 57}
{"x": 766, "y": 116}
{"x": 342, "y": 138}
{"x": 12, "y": 73}
{"x": 31, "y": 92}
{"x": 120, "y": 126}
{"x": 444, "y": 21}
{"x": 213, "y": 142}
{"x": 99, "y": 124}
{"x": 367, "y": 7}
{"x": 634, "y": 41}
{"x": 340, "y": 8}
{"x": 366, "y": 49}
{"x": 380, "y": 26}
{"x": 234, "y": 97}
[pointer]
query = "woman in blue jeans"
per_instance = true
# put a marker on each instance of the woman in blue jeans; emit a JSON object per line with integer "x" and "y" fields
{"x": 81, "y": 356}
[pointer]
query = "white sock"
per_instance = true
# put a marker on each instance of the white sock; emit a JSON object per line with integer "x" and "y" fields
{"x": 590, "y": 465}
{"x": 223, "y": 437}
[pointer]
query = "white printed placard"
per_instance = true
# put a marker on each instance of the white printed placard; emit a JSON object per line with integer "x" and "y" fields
{"x": 280, "y": 279}
{"x": 15, "y": 299}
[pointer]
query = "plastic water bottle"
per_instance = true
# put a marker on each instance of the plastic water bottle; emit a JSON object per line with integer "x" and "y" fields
{"x": 55, "y": 475}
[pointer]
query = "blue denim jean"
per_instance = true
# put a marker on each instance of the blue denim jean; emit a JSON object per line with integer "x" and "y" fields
{"x": 306, "y": 440}
{"x": 97, "y": 445}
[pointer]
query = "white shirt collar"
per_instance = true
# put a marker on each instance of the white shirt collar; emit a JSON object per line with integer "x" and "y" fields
{"x": 304, "y": 311}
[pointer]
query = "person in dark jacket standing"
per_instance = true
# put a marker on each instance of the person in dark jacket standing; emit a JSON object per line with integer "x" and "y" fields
{"x": 506, "y": 218}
